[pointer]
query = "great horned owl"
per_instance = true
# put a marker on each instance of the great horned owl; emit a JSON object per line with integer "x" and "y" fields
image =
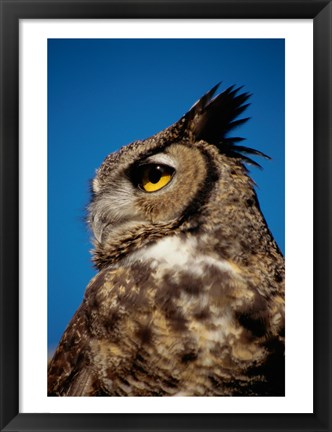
{"x": 189, "y": 298}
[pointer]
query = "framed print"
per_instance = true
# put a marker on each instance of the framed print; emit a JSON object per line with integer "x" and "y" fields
{"x": 80, "y": 80}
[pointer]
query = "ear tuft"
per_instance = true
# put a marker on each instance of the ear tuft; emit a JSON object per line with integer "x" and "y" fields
{"x": 211, "y": 119}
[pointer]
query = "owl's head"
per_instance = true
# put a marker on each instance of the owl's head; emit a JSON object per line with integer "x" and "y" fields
{"x": 178, "y": 180}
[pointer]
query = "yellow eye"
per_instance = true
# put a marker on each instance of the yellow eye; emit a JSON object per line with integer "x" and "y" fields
{"x": 154, "y": 177}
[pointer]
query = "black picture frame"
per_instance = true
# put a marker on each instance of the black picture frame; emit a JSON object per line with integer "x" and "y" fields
{"x": 14, "y": 10}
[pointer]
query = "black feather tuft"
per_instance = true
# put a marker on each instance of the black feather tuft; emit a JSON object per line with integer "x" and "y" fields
{"x": 211, "y": 119}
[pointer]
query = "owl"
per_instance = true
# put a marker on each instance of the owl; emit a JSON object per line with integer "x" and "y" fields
{"x": 189, "y": 295}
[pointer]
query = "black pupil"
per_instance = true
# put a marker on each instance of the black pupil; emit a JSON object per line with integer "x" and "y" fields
{"x": 155, "y": 174}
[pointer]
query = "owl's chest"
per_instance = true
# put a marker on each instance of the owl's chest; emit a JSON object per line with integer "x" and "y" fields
{"x": 175, "y": 254}
{"x": 178, "y": 308}
{"x": 194, "y": 292}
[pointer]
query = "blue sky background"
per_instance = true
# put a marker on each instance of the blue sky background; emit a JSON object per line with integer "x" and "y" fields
{"x": 105, "y": 93}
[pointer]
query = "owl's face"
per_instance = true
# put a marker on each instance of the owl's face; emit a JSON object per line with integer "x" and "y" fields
{"x": 152, "y": 189}
{"x": 186, "y": 177}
